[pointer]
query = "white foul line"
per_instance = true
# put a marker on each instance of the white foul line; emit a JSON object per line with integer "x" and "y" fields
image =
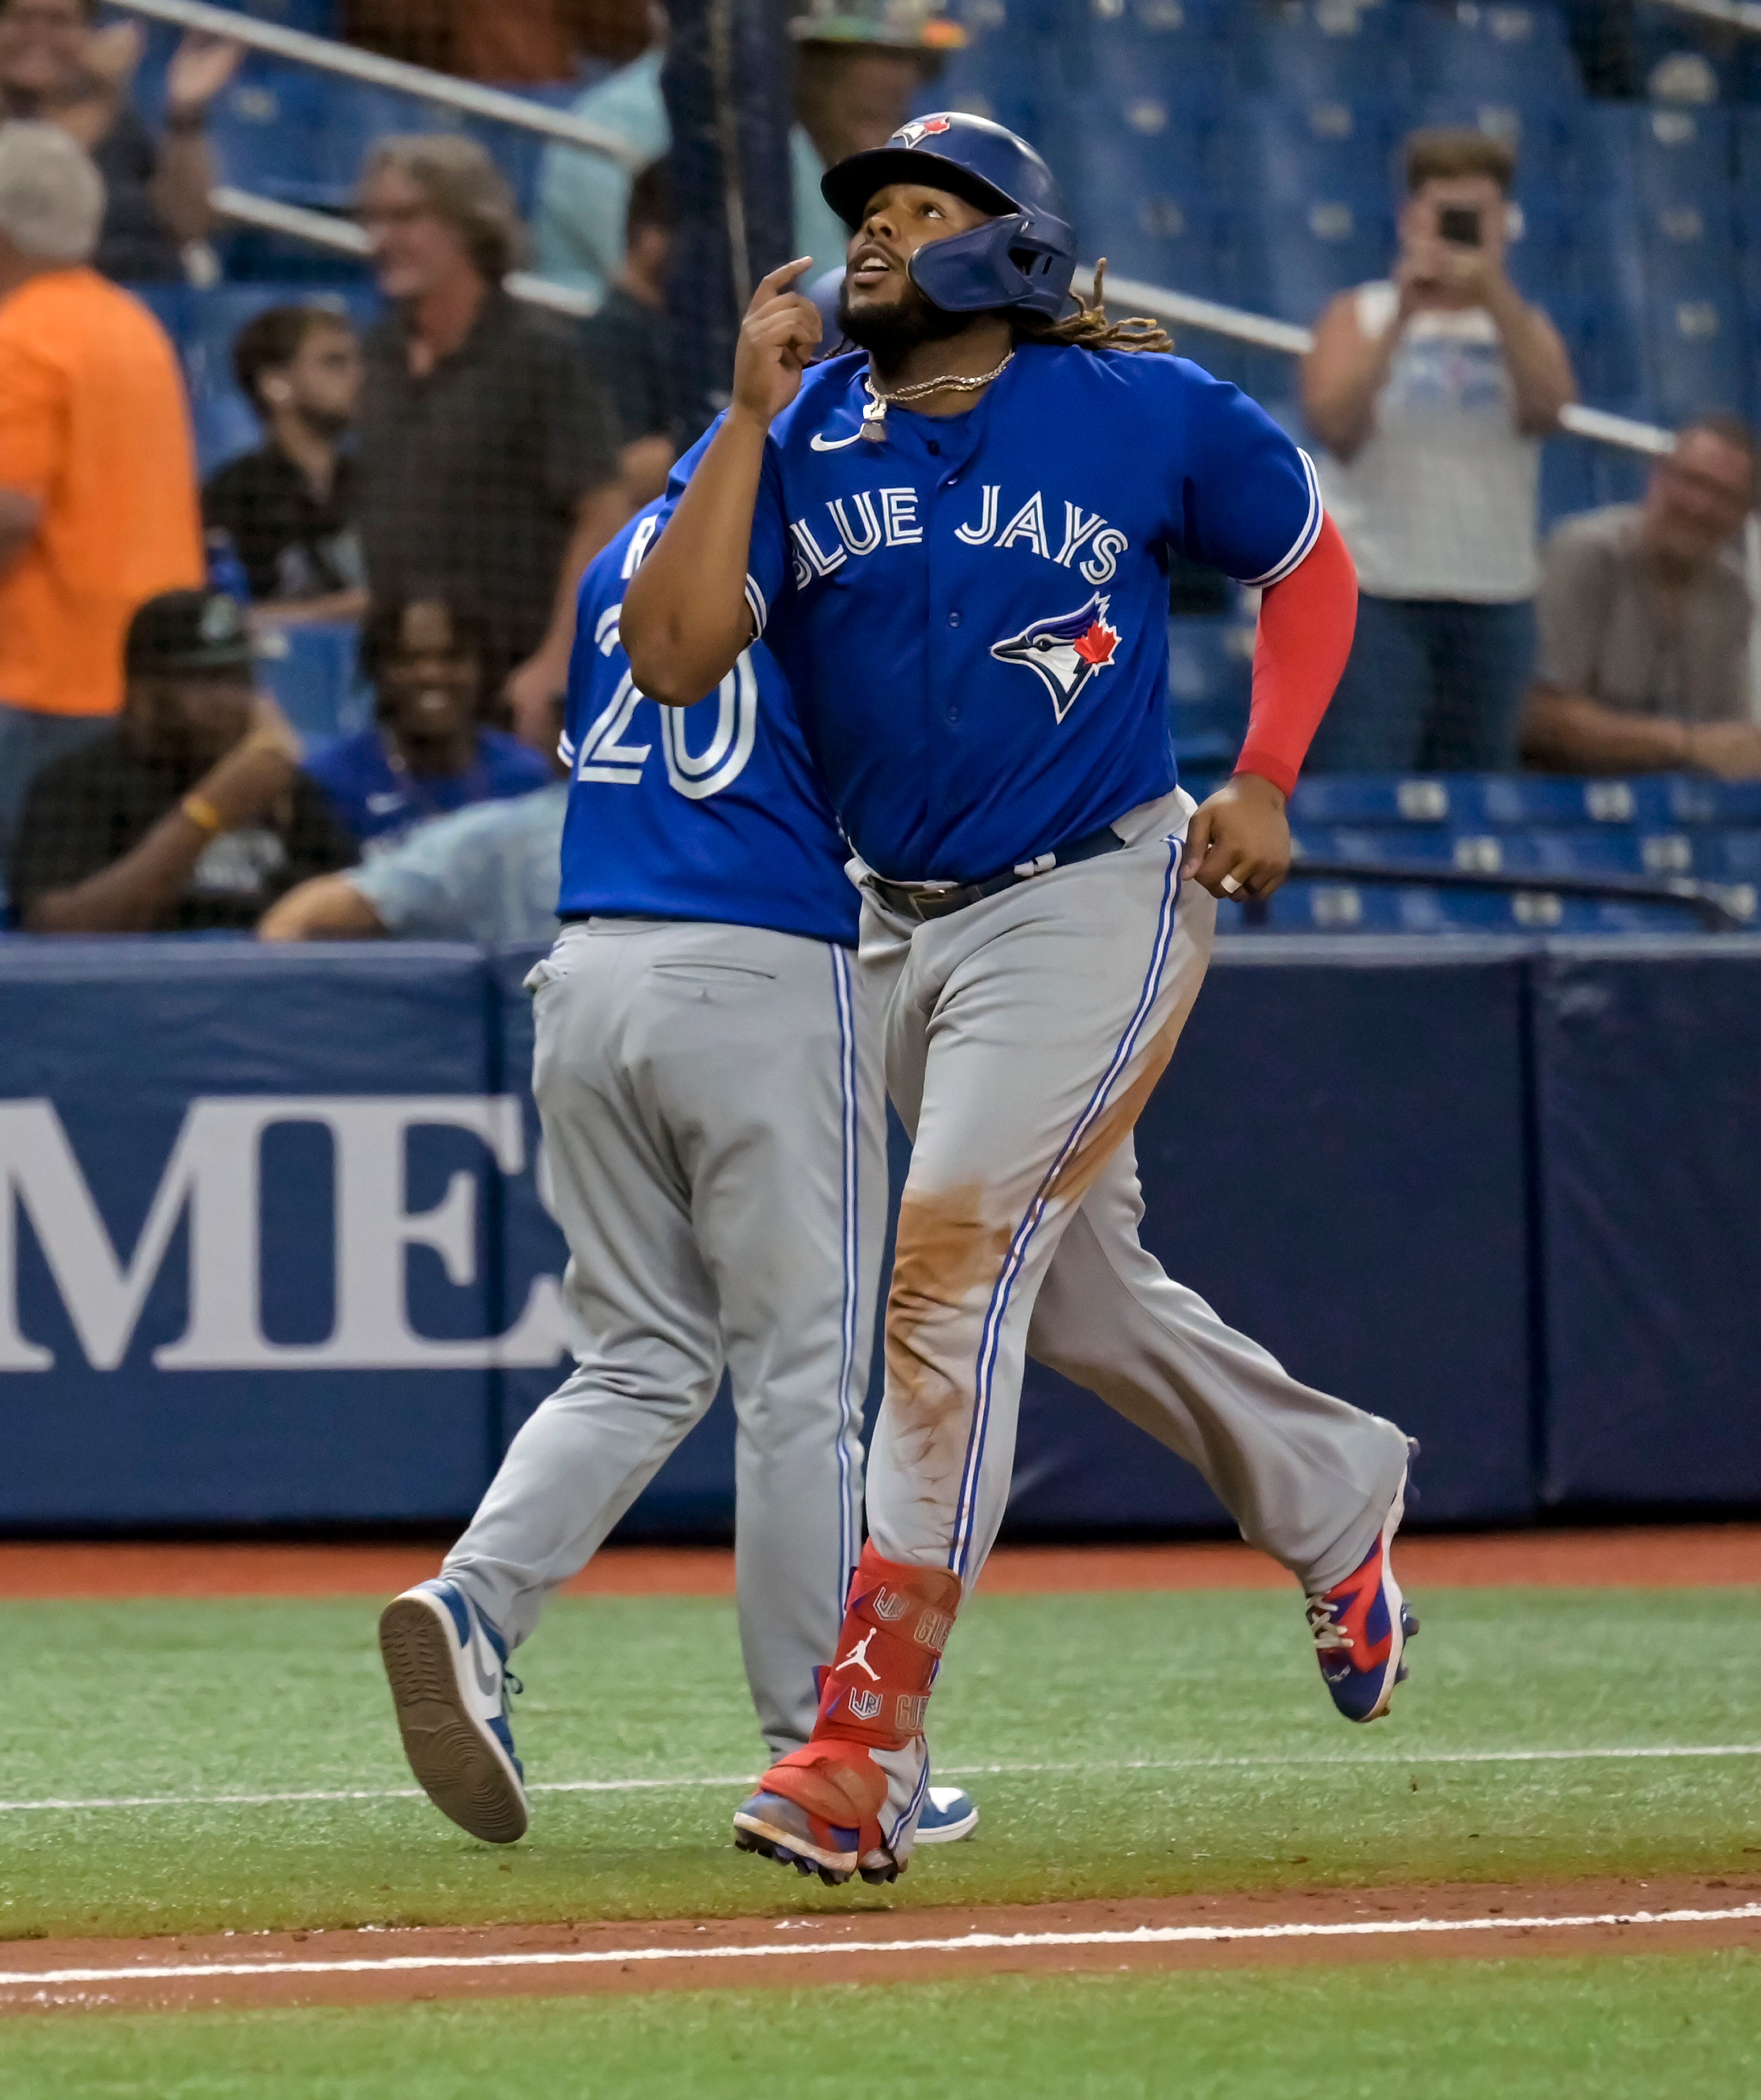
{"x": 1086, "y": 1769}
{"x": 970, "y": 1943}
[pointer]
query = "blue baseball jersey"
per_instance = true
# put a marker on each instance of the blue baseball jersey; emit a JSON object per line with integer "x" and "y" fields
{"x": 380, "y": 801}
{"x": 708, "y": 812}
{"x": 974, "y": 612}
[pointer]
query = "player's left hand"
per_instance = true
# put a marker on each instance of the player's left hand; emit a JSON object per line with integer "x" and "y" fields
{"x": 1239, "y": 842}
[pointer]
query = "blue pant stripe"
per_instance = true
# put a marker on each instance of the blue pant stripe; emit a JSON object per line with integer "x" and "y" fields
{"x": 852, "y": 1267}
{"x": 989, "y": 1338}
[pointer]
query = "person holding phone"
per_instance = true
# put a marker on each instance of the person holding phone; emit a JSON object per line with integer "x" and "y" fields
{"x": 1431, "y": 391}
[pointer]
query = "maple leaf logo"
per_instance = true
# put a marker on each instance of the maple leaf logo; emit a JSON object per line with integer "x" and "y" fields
{"x": 1097, "y": 645}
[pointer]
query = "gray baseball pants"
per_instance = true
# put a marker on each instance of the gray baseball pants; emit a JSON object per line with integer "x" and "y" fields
{"x": 715, "y": 1137}
{"x": 1023, "y": 1036}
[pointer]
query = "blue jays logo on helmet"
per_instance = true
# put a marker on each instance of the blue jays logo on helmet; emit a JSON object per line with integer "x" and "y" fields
{"x": 1066, "y": 652}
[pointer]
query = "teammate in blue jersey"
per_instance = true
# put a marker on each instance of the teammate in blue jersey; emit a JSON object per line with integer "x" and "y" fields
{"x": 957, "y": 542}
{"x": 715, "y": 1144}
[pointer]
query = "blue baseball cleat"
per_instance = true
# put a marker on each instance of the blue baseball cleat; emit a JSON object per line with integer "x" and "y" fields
{"x": 949, "y": 1814}
{"x": 450, "y": 1683}
{"x": 1361, "y": 1625}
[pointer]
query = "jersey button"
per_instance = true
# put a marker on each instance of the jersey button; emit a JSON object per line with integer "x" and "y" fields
{"x": 953, "y": 712}
{"x": 935, "y": 448}
{"x": 953, "y": 619}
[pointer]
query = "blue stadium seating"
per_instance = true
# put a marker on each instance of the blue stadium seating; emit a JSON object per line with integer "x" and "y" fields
{"x": 317, "y": 18}
{"x": 1496, "y": 54}
{"x": 1002, "y": 72}
{"x": 1291, "y": 151}
{"x": 1342, "y": 53}
{"x": 1346, "y": 907}
{"x": 268, "y": 128}
{"x": 312, "y": 671}
{"x": 1294, "y": 261}
{"x": 1153, "y": 47}
{"x": 1159, "y": 235}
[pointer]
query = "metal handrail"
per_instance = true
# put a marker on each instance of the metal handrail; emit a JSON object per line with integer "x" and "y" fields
{"x": 1296, "y": 341}
{"x": 1742, "y": 15}
{"x": 325, "y": 54}
{"x": 1706, "y": 899}
{"x": 324, "y": 230}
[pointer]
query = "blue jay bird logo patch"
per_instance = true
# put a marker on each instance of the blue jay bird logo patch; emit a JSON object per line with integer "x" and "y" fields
{"x": 1066, "y": 652}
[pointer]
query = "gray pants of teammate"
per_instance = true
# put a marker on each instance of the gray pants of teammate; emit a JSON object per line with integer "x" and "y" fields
{"x": 714, "y": 1131}
{"x": 1023, "y": 1036}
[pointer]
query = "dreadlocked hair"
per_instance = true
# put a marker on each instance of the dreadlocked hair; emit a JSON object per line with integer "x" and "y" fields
{"x": 1089, "y": 329}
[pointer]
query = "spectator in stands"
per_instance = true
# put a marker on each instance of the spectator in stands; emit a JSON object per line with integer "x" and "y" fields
{"x": 627, "y": 343}
{"x": 57, "y": 66}
{"x": 191, "y": 813}
{"x": 487, "y": 466}
{"x": 428, "y": 753}
{"x": 1645, "y": 622}
{"x": 859, "y": 65}
{"x": 1431, "y": 393}
{"x": 286, "y": 508}
{"x": 487, "y": 875}
{"x": 97, "y": 466}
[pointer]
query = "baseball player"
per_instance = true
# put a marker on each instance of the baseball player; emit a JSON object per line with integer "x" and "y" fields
{"x": 956, "y": 544}
{"x": 715, "y": 1141}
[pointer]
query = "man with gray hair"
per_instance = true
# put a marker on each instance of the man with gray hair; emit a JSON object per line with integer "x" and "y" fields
{"x": 487, "y": 466}
{"x": 98, "y": 501}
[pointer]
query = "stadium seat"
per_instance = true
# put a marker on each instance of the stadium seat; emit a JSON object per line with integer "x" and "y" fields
{"x": 1137, "y": 179}
{"x": 355, "y": 116}
{"x": 1321, "y": 48}
{"x": 1153, "y": 46}
{"x": 1519, "y": 54}
{"x": 1157, "y": 236}
{"x": 1290, "y": 151}
{"x": 1345, "y": 907}
{"x": 1003, "y": 71}
{"x": 268, "y": 131}
{"x": 1295, "y": 261}
{"x": 1677, "y": 157}
{"x": 311, "y": 669}
{"x": 317, "y": 18}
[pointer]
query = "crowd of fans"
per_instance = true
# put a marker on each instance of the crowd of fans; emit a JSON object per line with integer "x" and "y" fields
{"x": 443, "y": 480}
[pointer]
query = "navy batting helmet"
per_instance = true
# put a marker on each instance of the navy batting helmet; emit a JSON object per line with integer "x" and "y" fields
{"x": 1024, "y": 255}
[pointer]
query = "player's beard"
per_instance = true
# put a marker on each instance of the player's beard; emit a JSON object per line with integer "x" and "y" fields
{"x": 891, "y": 333}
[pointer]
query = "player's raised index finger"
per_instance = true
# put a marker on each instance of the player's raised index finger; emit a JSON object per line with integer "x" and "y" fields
{"x": 778, "y": 282}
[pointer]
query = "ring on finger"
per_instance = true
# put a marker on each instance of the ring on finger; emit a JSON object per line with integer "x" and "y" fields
{"x": 1231, "y": 884}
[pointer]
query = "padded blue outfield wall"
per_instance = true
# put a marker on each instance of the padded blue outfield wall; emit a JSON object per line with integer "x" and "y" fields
{"x": 272, "y": 1249}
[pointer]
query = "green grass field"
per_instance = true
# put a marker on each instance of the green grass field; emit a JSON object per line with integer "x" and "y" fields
{"x": 1147, "y": 1743}
{"x": 1644, "y": 2027}
{"x": 1142, "y": 1745}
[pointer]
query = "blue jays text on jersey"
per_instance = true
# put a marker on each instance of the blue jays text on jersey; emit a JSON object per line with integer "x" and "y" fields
{"x": 710, "y": 812}
{"x": 973, "y": 613}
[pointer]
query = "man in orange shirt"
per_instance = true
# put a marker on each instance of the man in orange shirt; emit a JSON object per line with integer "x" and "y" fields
{"x": 98, "y": 509}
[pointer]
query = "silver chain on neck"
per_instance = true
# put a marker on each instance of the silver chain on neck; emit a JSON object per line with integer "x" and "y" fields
{"x": 881, "y": 398}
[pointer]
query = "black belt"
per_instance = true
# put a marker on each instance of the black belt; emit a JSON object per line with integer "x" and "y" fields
{"x": 915, "y": 902}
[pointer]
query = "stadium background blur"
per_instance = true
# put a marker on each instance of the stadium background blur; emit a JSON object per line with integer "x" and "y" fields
{"x": 1244, "y": 153}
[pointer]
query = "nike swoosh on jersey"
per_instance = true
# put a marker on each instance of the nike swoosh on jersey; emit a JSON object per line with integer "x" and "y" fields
{"x": 823, "y": 444}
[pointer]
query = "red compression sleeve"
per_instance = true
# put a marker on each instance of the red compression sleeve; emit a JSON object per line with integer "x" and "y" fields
{"x": 1306, "y": 625}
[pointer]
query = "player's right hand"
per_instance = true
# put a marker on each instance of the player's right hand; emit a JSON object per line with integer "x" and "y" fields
{"x": 777, "y": 339}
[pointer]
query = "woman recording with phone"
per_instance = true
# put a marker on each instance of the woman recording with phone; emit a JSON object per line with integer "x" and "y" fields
{"x": 1431, "y": 391}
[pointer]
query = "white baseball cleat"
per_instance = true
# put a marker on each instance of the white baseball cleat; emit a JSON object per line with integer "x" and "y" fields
{"x": 949, "y": 1814}
{"x": 450, "y": 1683}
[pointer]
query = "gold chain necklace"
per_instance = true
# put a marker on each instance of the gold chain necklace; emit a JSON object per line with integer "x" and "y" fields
{"x": 879, "y": 399}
